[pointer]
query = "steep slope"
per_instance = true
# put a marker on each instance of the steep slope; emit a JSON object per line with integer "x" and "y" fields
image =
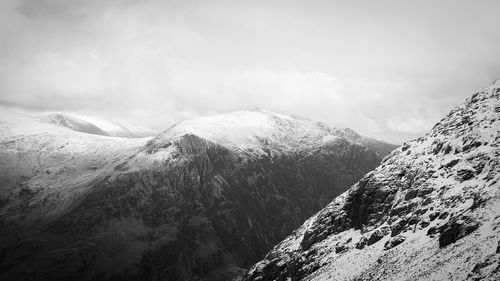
{"x": 381, "y": 147}
{"x": 202, "y": 200}
{"x": 430, "y": 211}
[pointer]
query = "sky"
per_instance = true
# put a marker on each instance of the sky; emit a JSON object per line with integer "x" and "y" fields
{"x": 387, "y": 69}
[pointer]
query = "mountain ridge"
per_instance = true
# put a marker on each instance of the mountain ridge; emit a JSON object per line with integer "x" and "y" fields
{"x": 96, "y": 126}
{"x": 177, "y": 206}
{"x": 429, "y": 211}
{"x": 250, "y": 128}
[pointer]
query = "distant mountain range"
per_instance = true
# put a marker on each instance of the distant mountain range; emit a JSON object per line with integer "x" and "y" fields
{"x": 96, "y": 126}
{"x": 430, "y": 211}
{"x": 203, "y": 200}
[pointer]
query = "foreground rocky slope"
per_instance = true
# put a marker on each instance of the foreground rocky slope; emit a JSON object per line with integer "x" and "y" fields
{"x": 430, "y": 211}
{"x": 200, "y": 201}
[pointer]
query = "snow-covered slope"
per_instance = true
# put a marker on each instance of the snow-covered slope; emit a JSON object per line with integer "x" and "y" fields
{"x": 430, "y": 211}
{"x": 258, "y": 131}
{"x": 96, "y": 126}
{"x": 54, "y": 163}
{"x": 73, "y": 123}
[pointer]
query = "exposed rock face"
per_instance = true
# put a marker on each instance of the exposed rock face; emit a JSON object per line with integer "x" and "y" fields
{"x": 430, "y": 211}
{"x": 188, "y": 204}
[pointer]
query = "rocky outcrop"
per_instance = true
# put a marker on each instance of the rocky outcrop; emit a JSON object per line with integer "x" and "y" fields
{"x": 428, "y": 212}
{"x": 452, "y": 231}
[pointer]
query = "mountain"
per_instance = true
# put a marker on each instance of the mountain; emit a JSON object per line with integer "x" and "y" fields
{"x": 73, "y": 123}
{"x": 45, "y": 168}
{"x": 203, "y": 200}
{"x": 96, "y": 126}
{"x": 430, "y": 211}
{"x": 255, "y": 131}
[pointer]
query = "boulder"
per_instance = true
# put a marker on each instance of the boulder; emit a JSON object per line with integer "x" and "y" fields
{"x": 465, "y": 174}
{"x": 393, "y": 242}
{"x": 376, "y": 236}
{"x": 453, "y": 231}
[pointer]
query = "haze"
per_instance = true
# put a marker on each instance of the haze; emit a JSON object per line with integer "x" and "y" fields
{"x": 388, "y": 69}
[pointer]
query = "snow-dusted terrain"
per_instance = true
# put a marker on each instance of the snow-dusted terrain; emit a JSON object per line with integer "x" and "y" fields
{"x": 255, "y": 131}
{"x": 95, "y": 125}
{"x": 430, "y": 211}
{"x": 56, "y": 163}
{"x": 208, "y": 196}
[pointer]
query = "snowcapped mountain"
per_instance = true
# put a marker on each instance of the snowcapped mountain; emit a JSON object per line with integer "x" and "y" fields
{"x": 73, "y": 123}
{"x": 45, "y": 167}
{"x": 430, "y": 211}
{"x": 96, "y": 126}
{"x": 204, "y": 199}
{"x": 257, "y": 131}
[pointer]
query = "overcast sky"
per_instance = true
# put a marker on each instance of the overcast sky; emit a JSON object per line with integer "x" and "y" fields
{"x": 389, "y": 69}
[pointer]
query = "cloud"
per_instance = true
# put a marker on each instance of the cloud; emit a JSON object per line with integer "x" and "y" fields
{"x": 387, "y": 69}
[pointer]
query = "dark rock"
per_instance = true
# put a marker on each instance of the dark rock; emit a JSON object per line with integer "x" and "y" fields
{"x": 453, "y": 231}
{"x": 451, "y": 163}
{"x": 410, "y": 194}
{"x": 480, "y": 165}
{"x": 361, "y": 243}
{"x": 433, "y": 216}
{"x": 367, "y": 202}
{"x": 469, "y": 146}
{"x": 465, "y": 174}
{"x": 447, "y": 149}
{"x": 422, "y": 211}
{"x": 393, "y": 242}
{"x": 424, "y": 192}
{"x": 432, "y": 231}
{"x": 413, "y": 220}
{"x": 405, "y": 147}
{"x": 376, "y": 236}
{"x": 426, "y": 201}
{"x": 443, "y": 216}
{"x": 478, "y": 201}
{"x": 474, "y": 98}
{"x": 340, "y": 248}
{"x": 424, "y": 224}
{"x": 437, "y": 146}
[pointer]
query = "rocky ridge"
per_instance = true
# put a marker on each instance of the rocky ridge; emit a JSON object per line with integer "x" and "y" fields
{"x": 430, "y": 211}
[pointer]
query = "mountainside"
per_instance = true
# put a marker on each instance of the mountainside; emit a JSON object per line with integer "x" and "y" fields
{"x": 204, "y": 199}
{"x": 430, "y": 211}
{"x": 44, "y": 168}
{"x": 96, "y": 126}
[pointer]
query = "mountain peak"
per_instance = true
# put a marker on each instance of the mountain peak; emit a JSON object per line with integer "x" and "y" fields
{"x": 254, "y": 109}
{"x": 257, "y": 130}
